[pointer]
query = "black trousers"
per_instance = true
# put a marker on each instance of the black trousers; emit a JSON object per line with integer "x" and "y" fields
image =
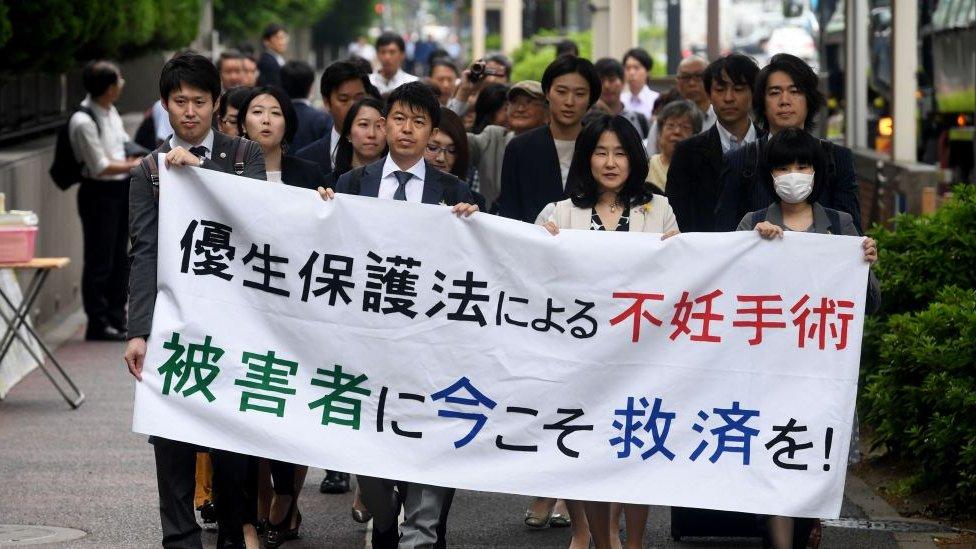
{"x": 104, "y": 210}
{"x": 235, "y": 491}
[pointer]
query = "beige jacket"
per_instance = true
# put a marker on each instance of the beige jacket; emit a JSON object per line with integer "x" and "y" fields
{"x": 654, "y": 217}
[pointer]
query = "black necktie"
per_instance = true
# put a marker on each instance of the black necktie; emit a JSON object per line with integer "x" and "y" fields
{"x": 199, "y": 151}
{"x": 402, "y": 178}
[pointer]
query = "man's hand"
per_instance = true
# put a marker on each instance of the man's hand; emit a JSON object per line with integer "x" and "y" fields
{"x": 463, "y": 209}
{"x": 326, "y": 194}
{"x": 870, "y": 250}
{"x": 135, "y": 356}
{"x": 551, "y": 227}
{"x": 182, "y": 157}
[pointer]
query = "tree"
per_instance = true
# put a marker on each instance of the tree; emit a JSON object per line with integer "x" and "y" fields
{"x": 235, "y": 23}
{"x": 344, "y": 23}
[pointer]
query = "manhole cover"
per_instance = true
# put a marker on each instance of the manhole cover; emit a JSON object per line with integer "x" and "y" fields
{"x": 886, "y": 525}
{"x": 27, "y": 534}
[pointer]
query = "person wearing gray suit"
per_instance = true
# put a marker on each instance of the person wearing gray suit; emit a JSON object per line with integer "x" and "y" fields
{"x": 412, "y": 112}
{"x": 189, "y": 86}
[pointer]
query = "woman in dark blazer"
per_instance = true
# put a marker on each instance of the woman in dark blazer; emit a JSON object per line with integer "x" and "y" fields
{"x": 268, "y": 117}
{"x": 362, "y": 138}
{"x": 796, "y": 163}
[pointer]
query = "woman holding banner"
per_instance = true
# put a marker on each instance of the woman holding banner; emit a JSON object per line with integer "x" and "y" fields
{"x": 268, "y": 117}
{"x": 796, "y": 165}
{"x": 607, "y": 192}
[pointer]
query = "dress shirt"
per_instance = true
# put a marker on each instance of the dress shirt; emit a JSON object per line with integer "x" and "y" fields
{"x": 207, "y": 143}
{"x": 731, "y": 142}
{"x": 98, "y": 146}
{"x": 386, "y": 86}
{"x": 333, "y": 146}
{"x": 642, "y": 103}
{"x": 414, "y": 188}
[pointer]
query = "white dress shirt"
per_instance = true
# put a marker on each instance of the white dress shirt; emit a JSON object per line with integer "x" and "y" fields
{"x": 642, "y": 103}
{"x": 207, "y": 143}
{"x": 386, "y": 86}
{"x": 333, "y": 146}
{"x": 414, "y": 188}
{"x": 98, "y": 146}
{"x": 161, "y": 121}
{"x": 731, "y": 142}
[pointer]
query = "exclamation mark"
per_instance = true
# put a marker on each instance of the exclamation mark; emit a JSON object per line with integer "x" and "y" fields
{"x": 828, "y": 440}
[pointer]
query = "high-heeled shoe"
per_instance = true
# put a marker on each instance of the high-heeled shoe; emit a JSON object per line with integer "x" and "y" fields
{"x": 361, "y": 516}
{"x": 281, "y": 532}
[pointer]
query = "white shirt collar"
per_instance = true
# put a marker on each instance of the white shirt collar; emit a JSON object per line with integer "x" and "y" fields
{"x": 419, "y": 170}
{"x": 95, "y": 107}
{"x": 729, "y": 141}
{"x": 207, "y": 142}
{"x": 303, "y": 101}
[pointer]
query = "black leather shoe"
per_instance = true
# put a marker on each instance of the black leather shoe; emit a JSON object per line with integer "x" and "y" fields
{"x": 334, "y": 482}
{"x": 208, "y": 513}
{"x": 106, "y": 333}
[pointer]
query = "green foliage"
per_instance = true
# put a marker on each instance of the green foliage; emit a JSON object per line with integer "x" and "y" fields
{"x": 925, "y": 253}
{"x": 493, "y": 42}
{"x": 344, "y": 22}
{"x": 237, "y": 22}
{"x": 54, "y": 35}
{"x": 922, "y": 398}
{"x": 531, "y": 60}
{"x": 5, "y": 30}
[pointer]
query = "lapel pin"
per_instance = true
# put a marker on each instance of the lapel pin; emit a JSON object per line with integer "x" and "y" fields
{"x": 223, "y": 155}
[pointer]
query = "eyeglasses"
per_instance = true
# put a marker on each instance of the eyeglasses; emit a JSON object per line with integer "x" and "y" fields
{"x": 686, "y": 76}
{"x": 435, "y": 150}
{"x": 676, "y": 126}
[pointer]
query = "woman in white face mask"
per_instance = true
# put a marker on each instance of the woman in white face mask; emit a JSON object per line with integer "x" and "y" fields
{"x": 796, "y": 163}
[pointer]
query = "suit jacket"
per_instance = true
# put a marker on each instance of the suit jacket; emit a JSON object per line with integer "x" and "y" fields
{"x": 319, "y": 152}
{"x": 739, "y": 195}
{"x": 143, "y": 218}
{"x": 269, "y": 70}
{"x": 301, "y": 173}
{"x": 821, "y": 225}
{"x": 438, "y": 186}
{"x": 654, "y": 217}
{"x": 312, "y": 124}
{"x": 693, "y": 181}
{"x": 530, "y": 175}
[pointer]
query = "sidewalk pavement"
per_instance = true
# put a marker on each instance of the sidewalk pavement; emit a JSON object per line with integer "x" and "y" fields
{"x": 85, "y": 469}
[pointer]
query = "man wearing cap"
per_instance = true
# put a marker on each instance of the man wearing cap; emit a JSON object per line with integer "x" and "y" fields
{"x": 526, "y": 111}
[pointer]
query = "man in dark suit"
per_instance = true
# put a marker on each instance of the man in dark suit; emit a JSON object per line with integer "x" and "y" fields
{"x": 297, "y": 78}
{"x": 342, "y": 84}
{"x": 786, "y": 95}
{"x": 693, "y": 177}
{"x": 536, "y": 162}
{"x": 189, "y": 86}
{"x": 412, "y": 113}
{"x": 275, "y": 41}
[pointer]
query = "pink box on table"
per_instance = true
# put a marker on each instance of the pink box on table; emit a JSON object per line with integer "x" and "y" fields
{"x": 17, "y": 244}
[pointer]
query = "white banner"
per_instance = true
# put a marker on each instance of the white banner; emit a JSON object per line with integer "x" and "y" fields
{"x": 398, "y": 341}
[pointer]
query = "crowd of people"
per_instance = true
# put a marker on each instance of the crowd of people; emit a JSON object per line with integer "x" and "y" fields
{"x": 590, "y": 147}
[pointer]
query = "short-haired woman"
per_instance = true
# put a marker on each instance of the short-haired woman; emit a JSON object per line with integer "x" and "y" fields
{"x": 607, "y": 192}
{"x": 268, "y": 117}
{"x": 796, "y": 173}
{"x": 677, "y": 121}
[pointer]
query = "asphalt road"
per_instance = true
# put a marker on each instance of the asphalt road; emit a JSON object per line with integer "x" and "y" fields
{"x": 85, "y": 469}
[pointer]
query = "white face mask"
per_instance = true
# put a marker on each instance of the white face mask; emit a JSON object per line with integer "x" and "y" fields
{"x": 793, "y": 187}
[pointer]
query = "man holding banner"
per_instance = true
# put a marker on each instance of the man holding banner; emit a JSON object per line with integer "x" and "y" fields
{"x": 412, "y": 116}
{"x": 189, "y": 86}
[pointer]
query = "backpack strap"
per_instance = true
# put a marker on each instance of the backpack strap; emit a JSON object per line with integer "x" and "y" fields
{"x": 759, "y": 216}
{"x": 834, "y": 217}
{"x": 151, "y": 170}
{"x": 91, "y": 114}
{"x": 240, "y": 148}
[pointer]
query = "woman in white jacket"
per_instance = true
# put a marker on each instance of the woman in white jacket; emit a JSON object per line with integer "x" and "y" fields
{"x": 607, "y": 192}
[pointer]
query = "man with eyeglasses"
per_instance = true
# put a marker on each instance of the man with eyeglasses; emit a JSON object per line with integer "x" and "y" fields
{"x": 691, "y": 86}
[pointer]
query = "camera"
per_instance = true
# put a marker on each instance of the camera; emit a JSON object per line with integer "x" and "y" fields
{"x": 476, "y": 72}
